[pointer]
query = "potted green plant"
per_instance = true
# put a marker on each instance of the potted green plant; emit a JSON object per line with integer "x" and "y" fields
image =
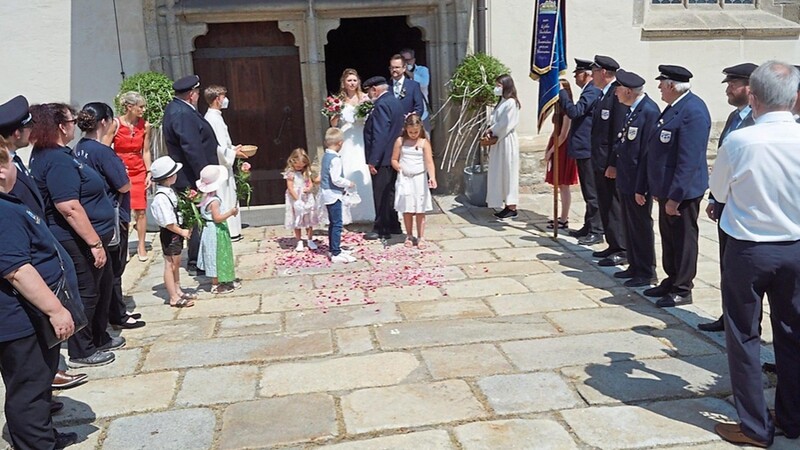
{"x": 470, "y": 95}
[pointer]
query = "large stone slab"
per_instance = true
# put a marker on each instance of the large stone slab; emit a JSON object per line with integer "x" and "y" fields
{"x": 171, "y": 430}
{"x": 460, "y": 361}
{"x": 528, "y": 392}
{"x": 552, "y": 353}
{"x": 174, "y": 330}
{"x": 405, "y": 293}
{"x": 278, "y": 421}
{"x": 505, "y": 269}
{"x": 568, "y": 280}
{"x": 353, "y": 340}
{"x": 633, "y": 381}
{"x": 491, "y": 231}
{"x": 237, "y": 350}
{"x": 538, "y": 302}
{"x": 517, "y": 434}
{"x": 474, "y": 244}
{"x": 608, "y": 319}
{"x": 226, "y": 384}
{"x": 459, "y": 257}
{"x": 525, "y": 253}
{"x": 250, "y": 324}
{"x": 457, "y": 308}
{"x": 311, "y": 299}
{"x": 428, "y": 440}
{"x": 343, "y": 317}
{"x": 222, "y": 306}
{"x": 125, "y": 363}
{"x": 485, "y": 288}
{"x": 461, "y": 331}
{"x": 339, "y": 374}
{"x": 117, "y": 396}
{"x": 680, "y": 422}
{"x": 409, "y": 405}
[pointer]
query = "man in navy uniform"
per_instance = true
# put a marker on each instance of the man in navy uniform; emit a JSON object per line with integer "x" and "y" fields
{"x": 383, "y": 126}
{"x": 580, "y": 145}
{"x": 738, "y": 92}
{"x": 756, "y": 175}
{"x": 607, "y": 120}
{"x": 677, "y": 178}
{"x": 631, "y": 158}
{"x": 190, "y": 141}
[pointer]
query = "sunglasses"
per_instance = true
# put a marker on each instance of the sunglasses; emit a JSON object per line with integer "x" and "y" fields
{"x": 75, "y": 120}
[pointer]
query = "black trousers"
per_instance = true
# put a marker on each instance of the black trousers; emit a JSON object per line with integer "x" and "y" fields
{"x": 194, "y": 247}
{"x": 386, "y": 221}
{"x": 610, "y": 211}
{"x": 639, "y": 236}
{"x": 118, "y": 258}
{"x": 723, "y": 236}
{"x": 679, "y": 245}
{"x": 28, "y": 368}
{"x": 753, "y": 269}
{"x": 591, "y": 219}
{"x": 95, "y": 289}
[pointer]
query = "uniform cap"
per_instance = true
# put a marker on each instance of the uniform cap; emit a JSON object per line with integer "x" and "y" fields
{"x": 605, "y": 62}
{"x": 582, "y": 65}
{"x": 674, "y": 73}
{"x": 629, "y": 79}
{"x": 738, "y": 72}
{"x": 186, "y": 84}
{"x": 14, "y": 115}
{"x": 163, "y": 168}
{"x": 374, "y": 81}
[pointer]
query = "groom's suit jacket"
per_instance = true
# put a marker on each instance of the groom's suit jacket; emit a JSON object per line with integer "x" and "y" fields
{"x": 384, "y": 125}
{"x": 411, "y": 97}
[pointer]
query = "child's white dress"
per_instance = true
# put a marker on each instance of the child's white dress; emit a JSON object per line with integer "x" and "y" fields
{"x": 412, "y": 194}
{"x": 305, "y": 212}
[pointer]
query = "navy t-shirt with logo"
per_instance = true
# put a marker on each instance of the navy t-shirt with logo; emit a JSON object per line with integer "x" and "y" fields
{"x": 62, "y": 177}
{"x": 103, "y": 159}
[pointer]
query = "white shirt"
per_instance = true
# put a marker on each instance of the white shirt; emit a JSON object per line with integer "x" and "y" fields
{"x": 330, "y": 196}
{"x": 163, "y": 206}
{"x": 756, "y": 175}
{"x": 225, "y": 152}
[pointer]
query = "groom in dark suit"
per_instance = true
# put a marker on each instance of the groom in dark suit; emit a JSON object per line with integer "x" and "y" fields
{"x": 382, "y": 128}
{"x": 404, "y": 89}
{"x": 190, "y": 141}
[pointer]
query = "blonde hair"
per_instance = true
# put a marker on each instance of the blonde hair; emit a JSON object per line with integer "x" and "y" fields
{"x": 131, "y": 98}
{"x": 345, "y": 74}
{"x": 413, "y": 120}
{"x": 299, "y": 155}
{"x": 212, "y": 92}
{"x": 333, "y": 136}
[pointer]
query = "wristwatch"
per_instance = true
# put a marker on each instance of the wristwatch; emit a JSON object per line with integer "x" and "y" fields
{"x": 99, "y": 244}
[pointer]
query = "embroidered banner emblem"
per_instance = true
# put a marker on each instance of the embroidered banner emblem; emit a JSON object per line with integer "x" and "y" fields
{"x": 632, "y": 132}
{"x": 666, "y": 136}
{"x": 605, "y": 114}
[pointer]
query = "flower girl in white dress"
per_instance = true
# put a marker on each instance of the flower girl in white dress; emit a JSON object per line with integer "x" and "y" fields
{"x": 412, "y": 158}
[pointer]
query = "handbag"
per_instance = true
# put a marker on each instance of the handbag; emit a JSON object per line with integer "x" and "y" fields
{"x": 41, "y": 321}
{"x": 488, "y": 140}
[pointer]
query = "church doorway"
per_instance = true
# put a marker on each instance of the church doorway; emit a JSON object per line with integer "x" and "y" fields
{"x": 366, "y": 44}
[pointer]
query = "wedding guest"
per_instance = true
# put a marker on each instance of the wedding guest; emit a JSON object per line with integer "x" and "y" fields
{"x": 131, "y": 141}
{"x": 503, "y": 179}
{"x": 216, "y": 252}
{"x": 217, "y": 99}
{"x": 302, "y": 209}
{"x": 567, "y": 168}
{"x": 333, "y": 183}
{"x": 421, "y": 75}
{"x": 81, "y": 218}
{"x": 405, "y": 89}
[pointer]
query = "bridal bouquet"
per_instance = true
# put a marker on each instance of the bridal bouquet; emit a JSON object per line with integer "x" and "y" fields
{"x": 363, "y": 109}
{"x": 332, "y": 107}
{"x": 242, "y": 177}
{"x": 188, "y": 210}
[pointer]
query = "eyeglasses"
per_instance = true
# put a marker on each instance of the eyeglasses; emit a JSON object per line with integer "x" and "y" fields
{"x": 75, "y": 120}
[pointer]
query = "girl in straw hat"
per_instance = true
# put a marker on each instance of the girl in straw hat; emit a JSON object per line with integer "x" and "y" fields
{"x": 216, "y": 251}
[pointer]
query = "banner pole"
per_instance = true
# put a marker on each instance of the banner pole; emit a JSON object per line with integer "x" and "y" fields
{"x": 557, "y": 144}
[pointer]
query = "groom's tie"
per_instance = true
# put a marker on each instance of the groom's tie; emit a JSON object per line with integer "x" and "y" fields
{"x": 396, "y": 89}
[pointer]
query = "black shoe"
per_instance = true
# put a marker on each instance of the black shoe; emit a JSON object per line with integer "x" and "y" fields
{"x": 387, "y": 236}
{"x": 715, "y": 326}
{"x": 65, "y": 440}
{"x": 372, "y": 236}
{"x": 605, "y": 253}
{"x": 627, "y": 273}
{"x": 591, "y": 239}
{"x": 640, "y": 282}
{"x": 130, "y": 326}
{"x": 617, "y": 259}
{"x": 658, "y": 291}
{"x": 501, "y": 213}
{"x": 55, "y": 407}
{"x": 194, "y": 271}
{"x": 769, "y": 368}
{"x": 673, "y": 299}
{"x": 507, "y": 214}
{"x": 579, "y": 233}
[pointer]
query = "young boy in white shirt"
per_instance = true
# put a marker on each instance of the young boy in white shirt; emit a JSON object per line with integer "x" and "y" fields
{"x": 332, "y": 184}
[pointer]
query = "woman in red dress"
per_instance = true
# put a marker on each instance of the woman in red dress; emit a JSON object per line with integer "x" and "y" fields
{"x": 567, "y": 168}
{"x": 131, "y": 139}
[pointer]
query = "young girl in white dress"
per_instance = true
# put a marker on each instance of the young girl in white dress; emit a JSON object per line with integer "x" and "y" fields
{"x": 412, "y": 158}
{"x": 354, "y": 161}
{"x": 302, "y": 205}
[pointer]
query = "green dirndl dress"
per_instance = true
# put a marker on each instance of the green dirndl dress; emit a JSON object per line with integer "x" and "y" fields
{"x": 216, "y": 250}
{"x": 225, "y": 270}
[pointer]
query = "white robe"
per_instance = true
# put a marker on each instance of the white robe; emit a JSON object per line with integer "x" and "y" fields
{"x": 503, "y": 179}
{"x": 227, "y": 158}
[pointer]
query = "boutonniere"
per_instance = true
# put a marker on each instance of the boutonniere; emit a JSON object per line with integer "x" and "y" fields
{"x": 660, "y": 122}
{"x": 402, "y": 93}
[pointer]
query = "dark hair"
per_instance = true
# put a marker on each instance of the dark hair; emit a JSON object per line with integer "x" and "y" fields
{"x": 92, "y": 114}
{"x": 413, "y": 119}
{"x": 409, "y": 51}
{"x": 396, "y": 56}
{"x": 47, "y": 117}
{"x": 509, "y": 90}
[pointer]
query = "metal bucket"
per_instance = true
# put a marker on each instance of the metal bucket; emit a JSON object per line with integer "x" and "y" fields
{"x": 475, "y": 182}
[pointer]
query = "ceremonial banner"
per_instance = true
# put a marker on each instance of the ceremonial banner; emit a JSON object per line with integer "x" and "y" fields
{"x": 548, "y": 52}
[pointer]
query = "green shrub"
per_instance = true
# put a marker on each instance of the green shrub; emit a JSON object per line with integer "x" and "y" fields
{"x": 473, "y": 80}
{"x": 156, "y": 89}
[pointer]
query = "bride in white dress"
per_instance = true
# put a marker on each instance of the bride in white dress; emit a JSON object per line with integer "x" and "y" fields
{"x": 354, "y": 162}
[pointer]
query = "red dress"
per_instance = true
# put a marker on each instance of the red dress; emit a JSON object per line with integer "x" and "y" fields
{"x": 567, "y": 168}
{"x": 128, "y": 144}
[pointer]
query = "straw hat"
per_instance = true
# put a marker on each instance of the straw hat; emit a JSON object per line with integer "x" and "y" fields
{"x": 163, "y": 168}
{"x": 211, "y": 178}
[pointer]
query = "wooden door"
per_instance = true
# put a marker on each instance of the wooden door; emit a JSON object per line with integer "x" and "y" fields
{"x": 260, "y": 67}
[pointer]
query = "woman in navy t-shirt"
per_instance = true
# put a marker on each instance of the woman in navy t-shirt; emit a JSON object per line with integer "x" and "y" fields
{"x": 81, "y": 217}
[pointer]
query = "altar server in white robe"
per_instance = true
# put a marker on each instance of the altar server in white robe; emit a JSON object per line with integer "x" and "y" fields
{"x": 503, "y": 179}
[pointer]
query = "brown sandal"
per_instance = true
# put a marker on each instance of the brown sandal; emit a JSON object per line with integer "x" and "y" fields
{"x": 182, "y": 303}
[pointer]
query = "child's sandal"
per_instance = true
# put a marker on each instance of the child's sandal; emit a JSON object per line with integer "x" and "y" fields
{"x": 421, "y": 244}
{"x": 182, "y": 303}
{"x": 409, "y": 242}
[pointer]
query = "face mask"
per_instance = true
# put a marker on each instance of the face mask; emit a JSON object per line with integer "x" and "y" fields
{"x": 225, "y": 103}
{"x": 410, "y": 67}
{"x": 498, "y": 91}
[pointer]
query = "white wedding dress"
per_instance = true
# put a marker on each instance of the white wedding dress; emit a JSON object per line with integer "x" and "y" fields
{"x": 354, "y": 165}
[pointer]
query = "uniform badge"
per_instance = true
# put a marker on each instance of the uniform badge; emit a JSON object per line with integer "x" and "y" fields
{"x": 665, "y": 136}
{"x": 605, "y": 114}
{"x": 33, "y": 216}
{"x": 632, "y": 132}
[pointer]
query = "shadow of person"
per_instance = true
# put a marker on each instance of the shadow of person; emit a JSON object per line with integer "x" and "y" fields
{"x": 78, "y": 415}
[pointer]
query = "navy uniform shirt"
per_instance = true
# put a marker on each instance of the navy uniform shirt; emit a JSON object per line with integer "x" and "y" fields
{"x": 631, "y": 148}
{"x": 676, "y": 160}
{"x": 25, "y": 239}
{"x": 62, "y": 177}
{"x": 190, "y": 141}
{"x": 607, "y": 120}
{"x": 580, "y": 130}
{"x": 103, "y": 159}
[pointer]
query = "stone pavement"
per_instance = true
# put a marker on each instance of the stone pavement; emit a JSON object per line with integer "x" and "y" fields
{"x": 495, "y": 337}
